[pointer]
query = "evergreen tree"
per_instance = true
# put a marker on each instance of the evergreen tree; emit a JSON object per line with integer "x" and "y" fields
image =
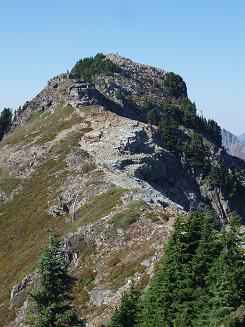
{"x": 214, "y": 131}
{"x": 207, "y": 250}
{"x": 88, "y": 68}
{"x": 175, "y": 85}
{"x": 171, "y": 284}
{"x": 188, "y": 110}
{"x": 49, "y": 303}
{"x": 228, "y": 181}
{"x": 152, "y": 117}
{"x": 169, "y": 130}
{"x": 126, "y": 313}
{"x": 226, "y": 279}
{"x": 195, "y": 151}
{"x": 200, "y": 280}
{"x": 147, "y": 105}
{"x": 5, "y": 121}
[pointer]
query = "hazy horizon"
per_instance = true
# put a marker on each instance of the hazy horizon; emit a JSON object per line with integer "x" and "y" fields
{"x": 203, "y": 42}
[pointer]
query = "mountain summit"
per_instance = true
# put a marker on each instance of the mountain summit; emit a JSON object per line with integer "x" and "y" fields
{"x": 108, "y": 154}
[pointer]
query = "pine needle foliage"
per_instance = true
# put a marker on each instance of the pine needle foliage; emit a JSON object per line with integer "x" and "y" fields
{"x": 200, "y": 280}
{"x": 50, "y": 301}
{"x": 125, "y": 314}
{"x": 88, "y": 68}
{"x": 5, "y": 121}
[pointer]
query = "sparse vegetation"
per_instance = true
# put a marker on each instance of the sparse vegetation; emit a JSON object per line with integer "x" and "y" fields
{"x": 118, "y": 94}
{"x": 147, "y": 105}
{"x": 87, "y": 276}
{"x": 122, "y": 271}
{"x": 127, "y": 217}
{"x": 43, "y": 127}
{"x": 100, "y": 206}
{"x": 28, "y": 212}
{"x": 7, "y": 182}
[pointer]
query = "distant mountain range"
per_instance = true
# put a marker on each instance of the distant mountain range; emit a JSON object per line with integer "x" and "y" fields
{"x": 234, "y": 145}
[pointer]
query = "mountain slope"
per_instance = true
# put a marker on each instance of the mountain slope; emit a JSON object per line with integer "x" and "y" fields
{"x": 82, "y": 157}
{"x": 233, "y": 145}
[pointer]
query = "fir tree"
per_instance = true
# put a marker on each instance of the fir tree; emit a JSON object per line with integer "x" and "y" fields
{"x": 169, "y": 130}
{"x": 226, "y": 278}
{"x": 49, "y": 303}
{"x": 126, "y": 313}
{"x": 171, "y": 284}
{"x": 175, "y": 85}
{"x": 152, "y": 117}
{"x": 195, "y": 151}
{"x": 88, "y": 68}
{"x": 188, "y": 110}
{"x": 5, "y": 121}
{"x": 200, "y": 279}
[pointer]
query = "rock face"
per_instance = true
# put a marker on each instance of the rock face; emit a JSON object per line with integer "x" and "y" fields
{"x": 234, "y": 145}
{"x": 130, "y": 153}
{"x": 85, "y": 161}
{"x": 28, "y": 280}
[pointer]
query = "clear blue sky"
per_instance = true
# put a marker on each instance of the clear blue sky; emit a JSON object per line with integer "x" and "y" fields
{"x": 202, "y": 40}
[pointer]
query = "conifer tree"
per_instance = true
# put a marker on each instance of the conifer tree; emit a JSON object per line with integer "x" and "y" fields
{"x": 126, "y": 313}
{"x": 152, "y": 117}
{"x": 49, "y": 303}
{"x": 195, "y": 151}
{"x": 200, "y": 280}
{"x": 168, "y": 130}
{"x": 207, "y": 250}
{"x": 5, "y": 121}
{"x": 170, "y": 285}
{"x": 226, "y": 278}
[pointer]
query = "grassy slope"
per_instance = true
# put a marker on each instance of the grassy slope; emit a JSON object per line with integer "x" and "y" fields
{"x": 24, "y": 221}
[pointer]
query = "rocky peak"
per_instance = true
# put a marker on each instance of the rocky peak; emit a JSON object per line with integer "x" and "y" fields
{"x": 135, "y": 82}
{"x": 82, "y": 158}
{"x": 134, "y": 69}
